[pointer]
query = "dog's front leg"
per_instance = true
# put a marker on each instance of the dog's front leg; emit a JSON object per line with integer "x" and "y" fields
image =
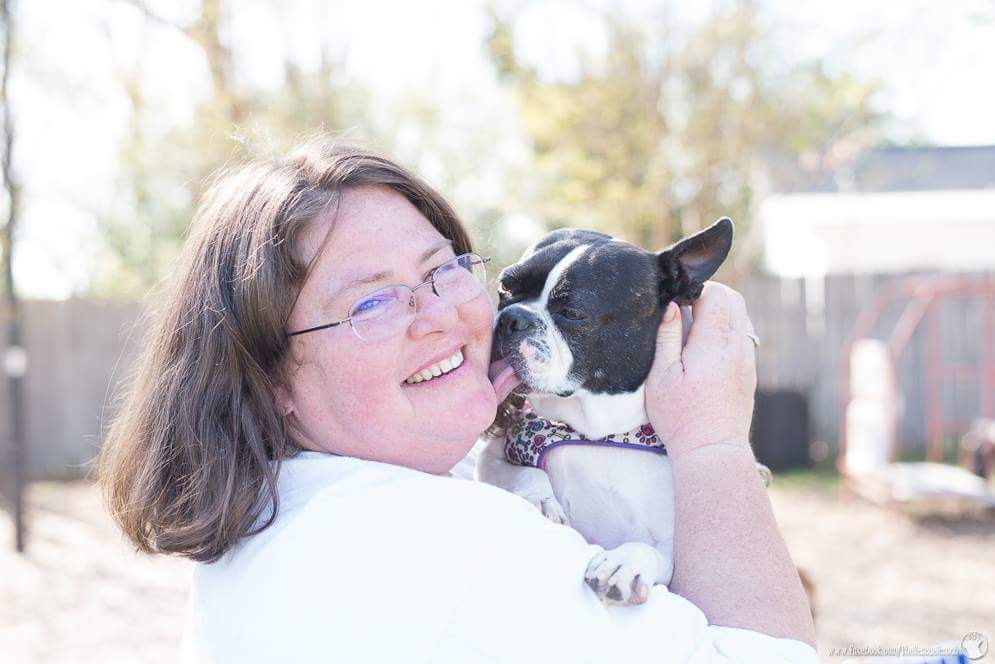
{"x": 530, "y": 483}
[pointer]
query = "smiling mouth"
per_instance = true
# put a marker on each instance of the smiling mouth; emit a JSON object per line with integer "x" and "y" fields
{"x": 441, "y": 368}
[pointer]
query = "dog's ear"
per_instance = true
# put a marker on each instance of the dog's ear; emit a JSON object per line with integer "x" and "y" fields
{"x": 687, "y": 265}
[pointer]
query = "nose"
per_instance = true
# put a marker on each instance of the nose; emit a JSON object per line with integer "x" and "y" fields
{"x": 433, "y": 314}
{"x": 515, "y": 319}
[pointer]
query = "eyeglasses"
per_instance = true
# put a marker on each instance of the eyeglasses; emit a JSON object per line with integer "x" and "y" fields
{"x": 389, "y": 311}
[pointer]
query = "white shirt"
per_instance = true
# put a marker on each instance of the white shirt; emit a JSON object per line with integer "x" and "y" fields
{"x": 369, "y": 562}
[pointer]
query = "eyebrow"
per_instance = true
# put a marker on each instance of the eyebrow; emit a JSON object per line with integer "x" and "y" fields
{"x": 379, "y": 277}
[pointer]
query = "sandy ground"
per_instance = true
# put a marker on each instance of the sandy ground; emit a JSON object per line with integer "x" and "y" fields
{"x": 79, "y": 594}
{"x": 882, "y": 579}
{"x": 886, "y": 579}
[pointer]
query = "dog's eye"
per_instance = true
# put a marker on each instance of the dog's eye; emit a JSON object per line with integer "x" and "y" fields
{"x": 572, "y": 314}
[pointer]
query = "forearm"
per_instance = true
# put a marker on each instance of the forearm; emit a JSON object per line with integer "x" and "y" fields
{"x": 730, "y": 558}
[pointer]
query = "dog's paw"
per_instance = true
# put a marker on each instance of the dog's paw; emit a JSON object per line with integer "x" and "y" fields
{"x": 625, "y": 574}
{"x": 550, "y": 508}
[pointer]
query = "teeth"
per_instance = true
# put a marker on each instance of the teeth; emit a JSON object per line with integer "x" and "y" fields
{"x": 443, "y": 367}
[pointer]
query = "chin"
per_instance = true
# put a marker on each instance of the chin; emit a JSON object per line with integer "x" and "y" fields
{"x": 454, "y": 437}
{"x": 474, "y": 416}
{"x": 441, "y": 456}
{"x": 481, "y": 411}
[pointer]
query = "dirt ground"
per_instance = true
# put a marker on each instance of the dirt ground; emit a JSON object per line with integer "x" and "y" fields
{"x": 882, "y": 579}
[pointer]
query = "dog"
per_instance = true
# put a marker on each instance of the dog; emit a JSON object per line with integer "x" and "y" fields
{"x": 577, "y": 323}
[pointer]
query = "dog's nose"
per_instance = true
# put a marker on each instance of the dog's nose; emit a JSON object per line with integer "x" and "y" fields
{"x": 515, "y": 320}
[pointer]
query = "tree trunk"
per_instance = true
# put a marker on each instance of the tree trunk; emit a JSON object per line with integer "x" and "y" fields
{"x": 14, "y": 360}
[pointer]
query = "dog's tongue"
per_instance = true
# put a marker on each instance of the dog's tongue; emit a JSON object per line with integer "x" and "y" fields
{"x": 503, "y": 378}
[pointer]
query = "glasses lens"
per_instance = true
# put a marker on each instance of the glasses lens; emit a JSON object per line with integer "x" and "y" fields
{"x": 383, "y": 313}
{"x": 461, "y": 279}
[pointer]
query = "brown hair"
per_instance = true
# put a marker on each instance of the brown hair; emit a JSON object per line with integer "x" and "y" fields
{"x": 189, "y": 464}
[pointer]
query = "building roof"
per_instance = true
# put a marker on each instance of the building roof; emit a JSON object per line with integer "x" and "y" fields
{"x": 897, "y": 169}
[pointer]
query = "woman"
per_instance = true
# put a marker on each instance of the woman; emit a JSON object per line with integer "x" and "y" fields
{"x": 318, "y": 369}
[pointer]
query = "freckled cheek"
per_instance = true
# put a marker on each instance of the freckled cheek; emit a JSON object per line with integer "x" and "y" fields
{"x": 372, "y": 374}
{"x": 353, "y": 381}
{"x": 478, "y": 315}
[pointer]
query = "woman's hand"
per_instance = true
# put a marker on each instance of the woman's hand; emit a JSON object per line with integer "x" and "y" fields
{"x": 702, "y": 394}
{"x": 729, "y": 557}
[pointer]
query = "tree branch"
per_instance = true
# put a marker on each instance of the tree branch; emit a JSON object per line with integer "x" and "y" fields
{"x": 187, "y": 30}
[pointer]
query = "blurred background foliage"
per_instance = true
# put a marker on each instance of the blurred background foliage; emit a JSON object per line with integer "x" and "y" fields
{"x": 653, "y": 136}
{"x": 664, "y": 134}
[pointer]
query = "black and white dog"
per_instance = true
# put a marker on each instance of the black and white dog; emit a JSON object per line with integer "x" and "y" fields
{"x": 577, "y": 323}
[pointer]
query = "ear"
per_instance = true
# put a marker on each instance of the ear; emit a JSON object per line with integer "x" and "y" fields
{"x": 687, "y": 265}
{"x": 284, "y": 402}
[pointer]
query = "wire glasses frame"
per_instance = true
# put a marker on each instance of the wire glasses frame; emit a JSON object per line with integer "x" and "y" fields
{"x": 387, "y": 311}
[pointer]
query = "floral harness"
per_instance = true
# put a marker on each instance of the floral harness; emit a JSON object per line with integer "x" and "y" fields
{"x": 531, "y": 437}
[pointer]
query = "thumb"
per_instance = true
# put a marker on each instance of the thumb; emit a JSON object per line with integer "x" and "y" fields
{"x": 669, "y": 337}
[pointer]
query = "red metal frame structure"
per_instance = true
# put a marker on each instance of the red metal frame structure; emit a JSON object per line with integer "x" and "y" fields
{"x": 921, "y": 294}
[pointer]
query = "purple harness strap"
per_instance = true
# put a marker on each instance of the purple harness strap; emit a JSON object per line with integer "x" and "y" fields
{"x": 531, "y": 437}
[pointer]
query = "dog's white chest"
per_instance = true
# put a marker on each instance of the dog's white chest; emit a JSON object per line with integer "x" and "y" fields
{"x": 613, "y": 495}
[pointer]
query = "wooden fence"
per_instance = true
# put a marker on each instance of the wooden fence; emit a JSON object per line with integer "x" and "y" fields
{"x": 77, "y": 350}
{"x": 80, "y": 349}
{"x": 804, "y": 325}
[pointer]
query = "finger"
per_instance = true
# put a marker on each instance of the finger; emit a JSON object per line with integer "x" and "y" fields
{"x": 713, "y": 309}
{"x": 752, "y": 348}
{"x": 738, "y": 318}
{"x": 742, "y": 326}
{"x": 686, "y": 320}
{"x": 751, "y": 333}
{"x": 712, "y": 317}
{"x": 669, "y": 337}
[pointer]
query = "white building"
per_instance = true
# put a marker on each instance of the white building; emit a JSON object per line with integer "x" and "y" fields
{"x": 894, "y": 210}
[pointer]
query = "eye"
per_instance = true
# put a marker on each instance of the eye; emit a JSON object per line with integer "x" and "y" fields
{"x": 373, "y": 303}
{"x": 438, "y": 270}
{"x": 572, "y": 314}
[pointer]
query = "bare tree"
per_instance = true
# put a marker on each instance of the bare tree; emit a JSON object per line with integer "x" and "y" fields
{"x": 14, "y": 356}
{"x": 161, "y": 175}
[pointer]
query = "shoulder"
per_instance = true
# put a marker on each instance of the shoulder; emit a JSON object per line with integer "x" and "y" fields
{"x": 327, "y": 502}
{"x": 380, "y": 546}
{"x": 375, "y": 496}
{"x": 368, "y": 517}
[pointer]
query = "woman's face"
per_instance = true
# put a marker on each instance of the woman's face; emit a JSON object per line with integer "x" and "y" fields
{"x": 349, "y": 396}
